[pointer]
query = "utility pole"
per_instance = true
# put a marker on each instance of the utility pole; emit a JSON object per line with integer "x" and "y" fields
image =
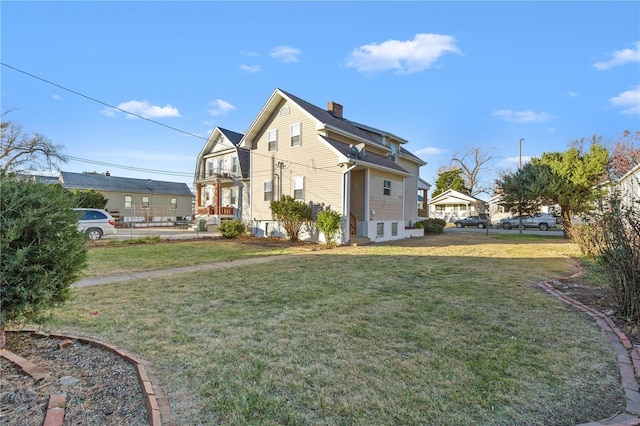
{"x": 520, "y": 168}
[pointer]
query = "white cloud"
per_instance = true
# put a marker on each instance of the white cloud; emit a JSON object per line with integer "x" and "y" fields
{"x": 572, "y": 94}
{"x": 405, "y": 57}
{"x": 430, "y": 150}
{"x": 220, "y": 107}
{"x": 143, "y": 109}
{"x": 620, "y": 57}
{"x": 285, "y": 53}
{"x": 521, "y": 116}
{"x": 251, "y": 68}
{"x": 512, "y": 162}
{"x": 629, "y": 101}
{"x": 56, "y": 97}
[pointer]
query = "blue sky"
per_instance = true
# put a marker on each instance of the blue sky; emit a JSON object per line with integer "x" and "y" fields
{"x": 443, "y": 75}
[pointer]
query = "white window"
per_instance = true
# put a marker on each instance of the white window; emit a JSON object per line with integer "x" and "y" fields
{"x": 387, "y": 187}
{"x": 295, "y": 134}
{"x": 174, "y": 203}
{"x": 220, "y": 166}
{"x": 268, "y": 190}
{"x": 394, "y": 228}
{"x": 272, "y": 138}
{"x": 234, "y": 164}
{"x": 145, "y": 202}
{"x": 233, "y": 196}
{"x": 209, "y": 168}
{"x": 128, "y": 201}
{"x": 298, "y": 188}
{"x": 380, "y": 229}
{"x": 394, "y": 150}
{"x": 284, "y": 110}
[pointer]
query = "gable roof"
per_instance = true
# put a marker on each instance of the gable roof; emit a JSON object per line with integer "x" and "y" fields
{"x": 324, "y": 119}
{"x": 234, "y": 137}
{"x": 450, "y": 196}
{"x": 101, "y": 182}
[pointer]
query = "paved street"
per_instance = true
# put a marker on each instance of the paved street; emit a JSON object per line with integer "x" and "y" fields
{"x": 529, "y": 231}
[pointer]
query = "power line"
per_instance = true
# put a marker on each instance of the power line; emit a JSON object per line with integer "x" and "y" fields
{"x": 137, "y": 169}
{"x": 102, "y": 102}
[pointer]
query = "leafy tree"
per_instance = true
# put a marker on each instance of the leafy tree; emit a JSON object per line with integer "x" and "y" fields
{"x": 524, "y": 191}
{"x": 19, "y": 151}
{"x": 450, "y": 179}
{"x": 625, "y": 155}
{"x": 576, "y": 174}
{"x": 329, "y": 223}
{"x": 472, "y": 163}
{"x": 292, "y": 214}
{"x": 42, "y": 250}
{"x": 89, "y": 199}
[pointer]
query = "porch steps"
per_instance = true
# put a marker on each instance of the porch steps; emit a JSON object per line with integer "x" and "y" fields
{"x": 359, "y": 241}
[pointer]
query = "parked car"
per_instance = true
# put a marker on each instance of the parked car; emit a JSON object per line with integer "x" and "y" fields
{"x": 95, "y": 223}
{"x": 480, "y": 221}
{"x": 541, "y": 221}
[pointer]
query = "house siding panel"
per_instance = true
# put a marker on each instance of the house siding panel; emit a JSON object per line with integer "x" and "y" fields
{"x": 312, "y": 160}
{"x": 358, "y": 194}
{"x": 387, "y": 207}
{"x": 410, "y": 187}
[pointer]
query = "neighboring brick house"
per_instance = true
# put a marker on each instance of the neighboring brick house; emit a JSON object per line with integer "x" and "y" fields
{"x": 135, "y": 200}
{"x": 320, "y": 158}
{"x": 222, "y": 177}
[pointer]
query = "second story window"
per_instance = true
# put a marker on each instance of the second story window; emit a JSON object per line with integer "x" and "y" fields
{"x": 295, "y": 134}
{"x": 174, "y": 203}
{"x": 128, "y": 202}
{"x": 145, "y": 202}
{"x": 272, "y": 138}
{"x": 234, "y": 164}
{"x": 233, "y": 196}
{"x": 268, "y": 190}
{"x": 209, "y": 168}
{"x": 394, "y": 150}
{"x": 220, "y": 166}
{"x": 387, "y": 187}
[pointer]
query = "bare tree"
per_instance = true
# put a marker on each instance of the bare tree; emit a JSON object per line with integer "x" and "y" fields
{"x": 20, "y": 151}
{"x": 473, "y": 162}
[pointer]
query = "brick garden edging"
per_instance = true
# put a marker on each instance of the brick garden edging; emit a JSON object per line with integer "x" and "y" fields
{"x": 628, "y": 356}
{"x": 155, "y": 401}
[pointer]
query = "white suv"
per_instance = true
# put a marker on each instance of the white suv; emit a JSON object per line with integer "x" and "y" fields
{"x": 95, "y": 223}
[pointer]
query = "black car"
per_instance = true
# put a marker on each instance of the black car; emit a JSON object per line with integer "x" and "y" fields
{"x": 480, "y": 221}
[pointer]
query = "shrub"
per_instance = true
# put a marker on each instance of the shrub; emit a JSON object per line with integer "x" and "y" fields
{"x": 418, "y": 225}
{"x": 232, "y": 228}
{"x": 292, "y": 215}
{"x": 433, "y": 226}
{"x": 329, "y": 223}
{"x": 42, "y": 250}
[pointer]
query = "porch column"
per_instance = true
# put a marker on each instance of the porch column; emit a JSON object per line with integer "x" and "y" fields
{"x": 218, "y": 199}
{"x": 198, "y": 194}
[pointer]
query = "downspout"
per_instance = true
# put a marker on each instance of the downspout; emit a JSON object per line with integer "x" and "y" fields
{"x": 346, "y": 204}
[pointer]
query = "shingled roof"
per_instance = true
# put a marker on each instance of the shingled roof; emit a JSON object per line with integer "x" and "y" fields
{"x": 100, "y": 182}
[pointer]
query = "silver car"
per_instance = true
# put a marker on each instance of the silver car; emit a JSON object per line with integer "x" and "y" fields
{"x": 95, "y": 223}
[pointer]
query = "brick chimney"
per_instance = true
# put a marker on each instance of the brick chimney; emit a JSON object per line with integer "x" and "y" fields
{"x": 335, "y": 109}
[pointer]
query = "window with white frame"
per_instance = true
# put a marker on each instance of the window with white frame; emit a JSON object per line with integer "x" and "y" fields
{"x": 234, "y": 164}
{"x": 145, "y": 202}
{"x": 387, "y": 187}
{"x": 394, "y": 150}
{"x": 380, "y": 229}
{"x": 128, "y": 202}
{"x": 220, "y": 166}
{"x": 268, "y": 190}
{"x": 174, "y": 203}
{"x": 233, "y": 195}
{"x": 298, "y": 187}
{"x": 394, "y": 228}
{"x": 272, "y": 138}
{"x": 295, "y": 134}
{"x": 210, "y": 168}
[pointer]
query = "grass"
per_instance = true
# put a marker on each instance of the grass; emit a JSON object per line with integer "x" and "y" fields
{"x": 121, "y": 257}
{"x": 446, "y": 330}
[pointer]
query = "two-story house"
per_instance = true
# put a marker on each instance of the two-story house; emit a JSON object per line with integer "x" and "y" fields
{"x": 320, "y": 158}
{"x": 221, "y": 178}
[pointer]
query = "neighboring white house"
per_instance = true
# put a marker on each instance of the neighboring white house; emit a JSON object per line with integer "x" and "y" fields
{"x": 629, "y": 187}
{"x": 452, "y": 205}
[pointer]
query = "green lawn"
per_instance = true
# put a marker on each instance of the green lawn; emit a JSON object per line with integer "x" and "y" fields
{"x": 445, "y": 330}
